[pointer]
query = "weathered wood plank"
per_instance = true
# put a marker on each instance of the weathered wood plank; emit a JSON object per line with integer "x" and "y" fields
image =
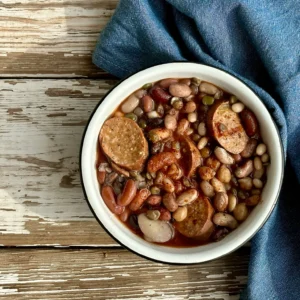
{"x": 51, "y": 38}
{"x": 116, "y": 274}
{"x": 41, "y": 126}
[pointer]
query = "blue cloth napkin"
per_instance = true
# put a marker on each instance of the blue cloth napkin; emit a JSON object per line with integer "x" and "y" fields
{"x": 259, "y": 42}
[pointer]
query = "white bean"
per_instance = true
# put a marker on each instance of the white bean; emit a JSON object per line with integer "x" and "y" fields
{"x": 170, "y": 122}
{"x": 202, "y": 129}
{"x": 238, "y": 107}
{"x": 232, "y": 202}
{"x": 187, "y": 197}
{"x": 179, "y": 90}
{"x": 245, "y": 183}
{"x": 261, "y": 149}
{"x": 257, "y": 163}
{"x": 140, "y": 93}
{"x": 192, "y": 117}
{"x": 223, "y": 174}
{"x": 208, "y": 88}
{"x": 226, "y": 220}
{"x": 202, "y": 143}
{"x": 265, "y": 158}
{"x": 218, "y": 185}
{"x": 180, "y": 214}
{"x": 221, "y": 201}
{"x": 207, "y": 188}
{"x": 258, "y": 173}
{"x": 130, "y": 104}
{"x": 240, "y": 212}
{"x": 223, "y": 156}
{"x": 257, "y": 183}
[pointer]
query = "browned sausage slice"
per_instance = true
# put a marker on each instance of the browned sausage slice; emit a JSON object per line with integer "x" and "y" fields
{"x": 190, "y": 155}
{"x": 123, "y": 141}
{"x": 198, "y": 223}
{"x": 225, "y": 125}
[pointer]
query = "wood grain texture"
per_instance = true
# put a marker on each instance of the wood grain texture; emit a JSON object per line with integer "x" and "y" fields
{"x": 41, "y": 126}
{"x": 45, "y": 38}
{"x": 116, "y": 274}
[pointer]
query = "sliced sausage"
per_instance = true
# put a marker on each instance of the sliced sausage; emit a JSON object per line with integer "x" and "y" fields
{"x": 225, "y": 125}
{"x": 198, "y": 223}
{"x": 191, "y": 155}
{"x": 123, "y": 141}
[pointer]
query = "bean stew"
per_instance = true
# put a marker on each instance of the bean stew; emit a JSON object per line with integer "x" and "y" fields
{"x": 181, "y": 162}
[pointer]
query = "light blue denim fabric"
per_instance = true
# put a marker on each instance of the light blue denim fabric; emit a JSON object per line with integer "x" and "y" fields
{"x": 257, "y": 41}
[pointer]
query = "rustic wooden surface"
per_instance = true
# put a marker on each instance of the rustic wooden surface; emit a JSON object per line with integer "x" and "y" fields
{"x": 51, "y": 245}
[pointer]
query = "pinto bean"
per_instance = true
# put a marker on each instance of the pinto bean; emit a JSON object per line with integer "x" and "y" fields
{"x": 207, "y": 188}
{"x": 244, "y": 170}
{"x": 221, "y": 201}
{"x": 249, "y": 121}
{"x": 108, "y": 197}
{"x": 148, "y": 104}
{"x": 241, "y": 212}
{"x": 130, "y": 104}
{"x": 223, "y": 174}
{"x": 225, "y": 220}
{"x": 206, "y": 173}
{"x": 249, "y": 149}
{"x": 169, "y": 202}
{"x": 154, "y": 200}
{"x": 128, "y": 193}
{"x": 189, "y": 107}
{"x": 165, "y": 215}
{"x": 180, "y": 214}
{"x": 208, "y": 88}
{"x": 165, "y": 83}
{"x": 180, "y": 90}
{"x": 139, "y": 199}
{"x": 168, "y": 185}
{"x": 218, "y": 185}
{"x": 170, "y": 122}
{"x": 223, "y": 156}
{"x": 182, "y": 127}
{"x": 187, "y": 197}
{"x": 160, "y": 160}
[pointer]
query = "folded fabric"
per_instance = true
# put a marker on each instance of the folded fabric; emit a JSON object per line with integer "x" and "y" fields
{"x": 257, "y": 41}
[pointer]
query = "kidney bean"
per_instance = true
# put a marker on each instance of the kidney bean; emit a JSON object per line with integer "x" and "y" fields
{"x": 148, "y": 103}
{"x": 207, "y": 188}
{"x": 169, "y": 202}
{"x": 241, "y": 212}
{"x": 128, "y": 193}
{"x": 160, "y": 95}
{"x": 180, "y": 90}
{"x": 139, "y": 199}
{"x": 180, "y": 214}
{"x": 221, "y": 201}
{"x": 158, "y": 134}
{"x": 130, "y": 104}
{"x": 182, "y": 127}
{"x": 160, "y": 160}
{"x": 232, "y": 202}
{"x": 244, "y": 170}
{"x": 208, "y": 88}
{"x": 165, "y": 83}
{"x": 249, "y": 121}
{"x": 213, "y": 163}
{"x": 257, "y": 163}
{"x": 249, "y": 149}
{"x": 165, "y": 215}
{"x": 189, "y": 107}
{"x": 154, "y": 200}
{"x": 252, "y": 200}
{"x": 125, "y": 214}
{"x": 170, "y": 122}
{"x": 153, "y": 214}
{"x": 187, "y": 197}
{"x": 223, "y": 156}
{"x": 223, "y": 174}
{"x": 226, "y": 220}
{"x": 101, "y": 176}
{"x": 218, "y": 185}
{"x": 261, "y": 149}
{"x": 206, "y": 173}
{"x": 245, "y": 183}
{"x": 108, "y": 197}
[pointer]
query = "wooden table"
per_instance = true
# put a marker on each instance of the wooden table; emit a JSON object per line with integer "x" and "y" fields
{"x": 52, "y": 246}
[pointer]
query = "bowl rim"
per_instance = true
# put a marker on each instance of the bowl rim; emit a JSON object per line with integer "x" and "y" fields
{"x": 127, "y": 247}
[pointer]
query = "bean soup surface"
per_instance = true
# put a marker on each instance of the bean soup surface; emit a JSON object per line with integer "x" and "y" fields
{"x": 181, "y": 162}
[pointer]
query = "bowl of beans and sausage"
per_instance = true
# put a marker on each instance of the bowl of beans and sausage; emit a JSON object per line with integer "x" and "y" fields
{"x": 181, "y": 163}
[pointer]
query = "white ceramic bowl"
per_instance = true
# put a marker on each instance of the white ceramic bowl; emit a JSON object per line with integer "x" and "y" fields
{"x": 169, "y": 254}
